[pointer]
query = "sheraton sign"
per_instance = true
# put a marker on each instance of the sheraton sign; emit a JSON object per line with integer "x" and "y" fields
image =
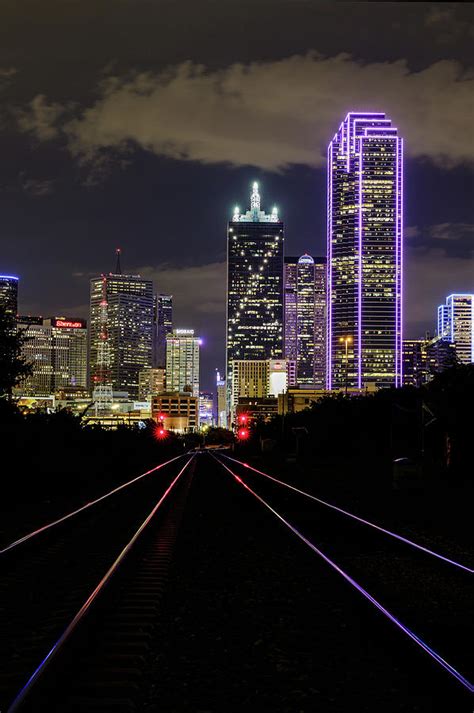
{"x": 65, "y": 323}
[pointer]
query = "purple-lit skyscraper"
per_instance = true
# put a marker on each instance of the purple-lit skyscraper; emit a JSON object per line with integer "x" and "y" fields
{"x": 365, "y": 253}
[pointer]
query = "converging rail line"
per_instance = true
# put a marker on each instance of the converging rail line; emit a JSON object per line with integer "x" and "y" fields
{"x": 28, "y": 691}
{"x": 84, "y": 507}
{"x": 358, "y": 587}
{"x": 390, "y": 533}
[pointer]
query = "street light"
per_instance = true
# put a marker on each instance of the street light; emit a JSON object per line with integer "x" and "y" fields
{"x": 346, "y": 341}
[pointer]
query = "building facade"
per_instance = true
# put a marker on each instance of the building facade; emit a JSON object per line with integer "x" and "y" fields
{"x": 120, "y": 332}
{"x": 162, "y": 326}
{"x": 9, "y": 294}
{"x": 176, "y": 411}
{"x": 206, "y": 408}
{"x": 305, "y": 317}
{"x": 255, "y": 248}
{"x": 57, "y": 349}
{"x": 365, "y": 253}
{"x": 151, "y": 382}
{"x": 182, "y": 361}
{"x": 259, "y": 379}
{"x": 456, "y": 325}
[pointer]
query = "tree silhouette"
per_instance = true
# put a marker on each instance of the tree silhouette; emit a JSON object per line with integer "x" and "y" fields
{"x": 14, "y": 367}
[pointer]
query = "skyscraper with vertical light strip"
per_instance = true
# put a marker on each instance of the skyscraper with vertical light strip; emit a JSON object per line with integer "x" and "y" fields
{"x": 365, "y": 253}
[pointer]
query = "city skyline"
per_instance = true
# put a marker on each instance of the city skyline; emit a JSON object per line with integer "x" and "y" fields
{"x": 207, "y": 373}
{"x": 78, "y": 178}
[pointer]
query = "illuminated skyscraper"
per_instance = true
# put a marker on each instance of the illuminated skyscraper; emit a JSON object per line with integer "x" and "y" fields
{"x": 182, "y": 361}
{"x": 120, "y": 334}
{"x": 365, "y": 253}
{"x": 9, "y": 294}
{"x": 305, "y": 317}
{"x": 162, "y": 326}
{"x": 57, "y": 350}
{"x": 456, "y": 324}
{"x": 255, "y": 245}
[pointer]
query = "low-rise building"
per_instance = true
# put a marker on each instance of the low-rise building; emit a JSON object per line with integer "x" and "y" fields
{"x": 299, "y": 398}
{"x": 177, "y": 411}
{"x": 257, "y": 409}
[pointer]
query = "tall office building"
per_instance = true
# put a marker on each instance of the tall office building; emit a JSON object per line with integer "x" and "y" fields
{"x": 365, "y": 250}
{"x": 456, "y": 324}
{"x": 121, "y": 330}
{"x": 182, "y": 361}
{"x": 162, "y": 326}
{"x": 57, "y": 350}
{"x": 9, "y": 294}
{"x": 305, "y": 317}
{"x": 255, "y": 245}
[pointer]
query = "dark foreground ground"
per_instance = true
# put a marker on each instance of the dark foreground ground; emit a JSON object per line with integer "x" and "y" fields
{"x": 247, "y": 617}
{"x": 253, "y": 620}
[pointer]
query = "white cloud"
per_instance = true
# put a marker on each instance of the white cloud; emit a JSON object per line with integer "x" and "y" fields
{"x": 268, "y": 114}
{"x": 452, "y": 231}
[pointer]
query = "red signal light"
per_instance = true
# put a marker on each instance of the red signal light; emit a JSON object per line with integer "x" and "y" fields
{"x": 243, "y": 433}
{"x": 160, "y": 432}
{"x": 243, "y": 418}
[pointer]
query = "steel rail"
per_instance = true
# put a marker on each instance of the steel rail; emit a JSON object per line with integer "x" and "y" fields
{"x": 390, "y": 533}
{"x": 53, "y": 523}
{"x": 425, "y": 647}
{"x": 20, "y": 697}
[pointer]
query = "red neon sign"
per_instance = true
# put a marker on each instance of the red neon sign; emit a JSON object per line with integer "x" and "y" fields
{"x": 68, "y": 324}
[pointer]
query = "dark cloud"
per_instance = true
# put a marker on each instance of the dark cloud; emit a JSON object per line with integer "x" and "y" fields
{"x": 431, "y": 275}
{"x": 37, "y": 186}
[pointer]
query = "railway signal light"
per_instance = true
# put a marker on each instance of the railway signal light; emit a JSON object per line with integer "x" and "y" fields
{"x": 243, "y": 433}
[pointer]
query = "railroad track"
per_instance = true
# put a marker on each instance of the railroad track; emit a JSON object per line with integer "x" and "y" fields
{"x": 355, "y": 546}
{"x": 80, "y": 599}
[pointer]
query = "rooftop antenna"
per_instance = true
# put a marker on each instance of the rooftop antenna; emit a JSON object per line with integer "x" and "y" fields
{"x": 118, "y": 267}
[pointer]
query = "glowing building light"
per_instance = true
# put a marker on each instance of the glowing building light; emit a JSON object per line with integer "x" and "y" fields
{"x": 365, "y": 253}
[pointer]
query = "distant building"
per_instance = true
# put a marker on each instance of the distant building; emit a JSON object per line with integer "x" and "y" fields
{"x": 121, "y": 330}
{"x": 423, "y": 358}
{"x": 178, "y": 412}
{"x": 255, "y": 241}
{"x": 257, "y": 409}
{"x": 365, "y": 226}
{"x": 456, "y": 324}
{"x": 206, "y": 408}
{"x": 305, "y": 317}
{"x": 259, "y": 378}
{"x": 182, "y": 361}
{"x": 301, "y": 397}
{"x": 9, "y": 294}
{"x": 221, "y": 396}
{"x": 162, "y": 326}
{"x": 151, "y": 382}
{"x": 57, "y": 349}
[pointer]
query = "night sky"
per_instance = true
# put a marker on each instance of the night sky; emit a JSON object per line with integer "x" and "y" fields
{"x": 140, "y": 124}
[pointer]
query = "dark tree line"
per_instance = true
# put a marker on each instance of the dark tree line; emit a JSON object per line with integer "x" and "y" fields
{"x": 432, "y": 425}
